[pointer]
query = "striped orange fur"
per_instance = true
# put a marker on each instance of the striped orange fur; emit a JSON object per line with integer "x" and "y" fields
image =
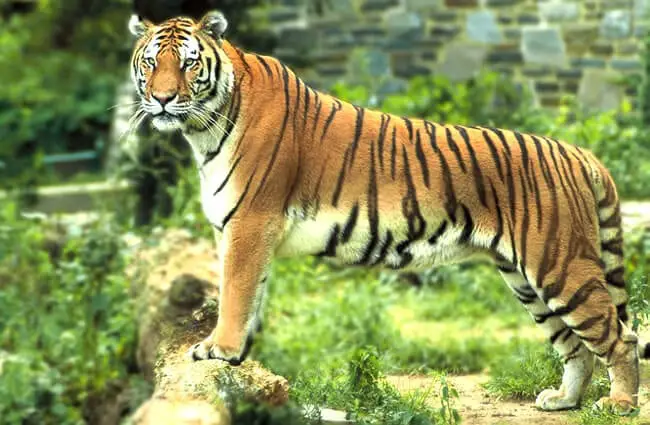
{"x": 288, "y": 170}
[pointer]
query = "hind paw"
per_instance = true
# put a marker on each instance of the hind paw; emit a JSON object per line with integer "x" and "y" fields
{"x": 621, "y": 405}
{"x": 552, "y": 399}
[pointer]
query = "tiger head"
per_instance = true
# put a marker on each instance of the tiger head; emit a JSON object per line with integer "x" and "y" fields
{"x": 180, "y": 69}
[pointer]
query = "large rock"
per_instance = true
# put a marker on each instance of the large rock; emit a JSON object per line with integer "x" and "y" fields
{"x": 482, "y": 26}
{"x": 543, "y": 46}
{"x": 616, "y": 24}
{"x": 598, "y": 90}
{"x": 558, "y": 10}
{"x": 462, "y": 60}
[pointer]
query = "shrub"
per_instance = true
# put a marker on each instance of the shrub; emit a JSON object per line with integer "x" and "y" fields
{"x": 67, "y": 331}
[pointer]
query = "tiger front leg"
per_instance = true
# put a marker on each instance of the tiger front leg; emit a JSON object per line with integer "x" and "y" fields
{"x": 244, "y": 255}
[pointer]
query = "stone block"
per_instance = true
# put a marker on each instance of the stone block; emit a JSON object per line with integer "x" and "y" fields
{"x": 282, "y": 15}
{"x": 462, "y": 60}
{"x": 641, "y": 9}
{"x": 513, "y": 57}
{"x": 558, "y": 10}
{"x": 482, "y": 26}
{"x": 547, "y": 87}
{"x": 423, "y": 4}
{"x": 301, "y": 39}
{"x": 461, "y": 3}
{"x": 602, "y": 49}
{"x": 543, "y": 46}
{"x": 616, "y": 24}
{"x": 626, "y": 64}
{"x": 378, "y": 5}
{"x": 528, "y": 19}
{"x": 399, "y": 22}
{"x": 370, "y": 62}
{"x": 598, "y": 90}
{"x": 536, "y": 71}
{"x": 588, "y": 63}
{"x": 569, "y": 74}
{"x": 628, "y": 48}
{"x": 502, "y": 3}
{"x": 580, "y": 36}
{"x": 444, "y": 16}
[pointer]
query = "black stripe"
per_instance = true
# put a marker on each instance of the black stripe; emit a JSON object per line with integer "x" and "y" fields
{"x": 476, "y": 169}
{"x": 616, "y": 277}
{"x": 494, "y": 153}
{"x": 454, "y": 148}
{"x": 468, "y": 227}
{"x": 409, "y": 127}
{"x": 225, "y": 180}
{"x": 421, "y": 158}
{"x": 384, "y": 247}
{"x": 450, "y": 194}
{"x": 239, "y": 201}
{"x": 348, "y": 159}
{"x": 615, "y": 246}
{"x": 438, "y": 233}
{"x": 499, "y": 232}
{"x": 373, "y": 210}
{"x": 332, "y": 242}
{"x": 381, "y": 139}
{"x": 336, "y": 106}
{"x": 267, "y": 68}
{"x": 559, "y": 333}
{"x": 576, "y": 300}
{"x": 393, "y": 154}
{"x": 524, "y": 226}
{"x": 283, "y": 128}
{"x": 350, "y": 223}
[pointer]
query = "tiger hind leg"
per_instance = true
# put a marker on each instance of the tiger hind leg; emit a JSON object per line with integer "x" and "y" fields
{"x": 582, "y": 300}
{"x": 578, "y": 360}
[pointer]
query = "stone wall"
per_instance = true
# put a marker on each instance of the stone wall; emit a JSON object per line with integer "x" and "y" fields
{"x": 556, "y": 47}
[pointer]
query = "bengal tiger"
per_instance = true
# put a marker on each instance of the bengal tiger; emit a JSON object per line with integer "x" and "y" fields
{"x": 288, "y": 170}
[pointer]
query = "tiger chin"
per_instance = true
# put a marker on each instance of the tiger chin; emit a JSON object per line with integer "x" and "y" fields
{"x": 287, "y": 170}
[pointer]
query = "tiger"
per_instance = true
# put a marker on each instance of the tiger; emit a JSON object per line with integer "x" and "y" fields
{"x": 287, "y": 170}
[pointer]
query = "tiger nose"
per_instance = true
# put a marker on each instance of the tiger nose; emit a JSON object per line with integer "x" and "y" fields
{"x": 164, "y": 98}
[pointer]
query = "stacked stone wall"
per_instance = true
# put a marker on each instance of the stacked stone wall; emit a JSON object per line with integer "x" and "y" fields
{"x": 556, "y": 47}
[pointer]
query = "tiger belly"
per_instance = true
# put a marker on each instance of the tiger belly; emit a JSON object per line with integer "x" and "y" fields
{"x": 318, "y": 236}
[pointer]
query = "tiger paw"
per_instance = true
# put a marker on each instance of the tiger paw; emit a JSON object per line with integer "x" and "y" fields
{"x": 206, "y": 351}
{"x": 622, "y": 405}
{"x": 552, "y": 399}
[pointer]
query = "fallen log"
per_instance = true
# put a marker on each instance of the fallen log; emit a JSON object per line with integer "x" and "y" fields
{"x": 178, "y": 307}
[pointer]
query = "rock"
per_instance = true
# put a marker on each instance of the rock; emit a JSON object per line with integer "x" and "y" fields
{"x": 462, "y": 60}
{"x": 543, "y": 46}
{"x": 368, "y": 62}
{"x": 598, "y": 90}
{"x": 402, "y": 23}
{"x": 616, "y": 24}
{"x": 558, "y": 10}
{"x": 179, "y": 412}
{"x": 482, "y": 26}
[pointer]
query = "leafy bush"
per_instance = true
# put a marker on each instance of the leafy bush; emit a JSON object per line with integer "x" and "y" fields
{"x": 59, "y": 66}
{"x": 67, "y": 331}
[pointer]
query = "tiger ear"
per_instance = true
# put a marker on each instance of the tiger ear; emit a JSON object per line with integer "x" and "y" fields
{"x": 138, "y": 26}
{"x": 214, "y": 23}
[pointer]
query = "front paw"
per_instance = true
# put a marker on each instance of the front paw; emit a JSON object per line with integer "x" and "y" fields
{"x": 206, "y": 350}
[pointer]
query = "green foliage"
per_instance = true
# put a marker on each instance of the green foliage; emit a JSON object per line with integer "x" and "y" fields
{"x": 363, "y": 392}
{"x": 66, "y": 328}
{"x": 488, "y": 99}
{"x": 524, "y": 374}
{"x": 59, "y": 67}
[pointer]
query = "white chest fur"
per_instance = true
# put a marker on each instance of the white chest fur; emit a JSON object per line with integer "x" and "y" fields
{"x": 218, "y": 192}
